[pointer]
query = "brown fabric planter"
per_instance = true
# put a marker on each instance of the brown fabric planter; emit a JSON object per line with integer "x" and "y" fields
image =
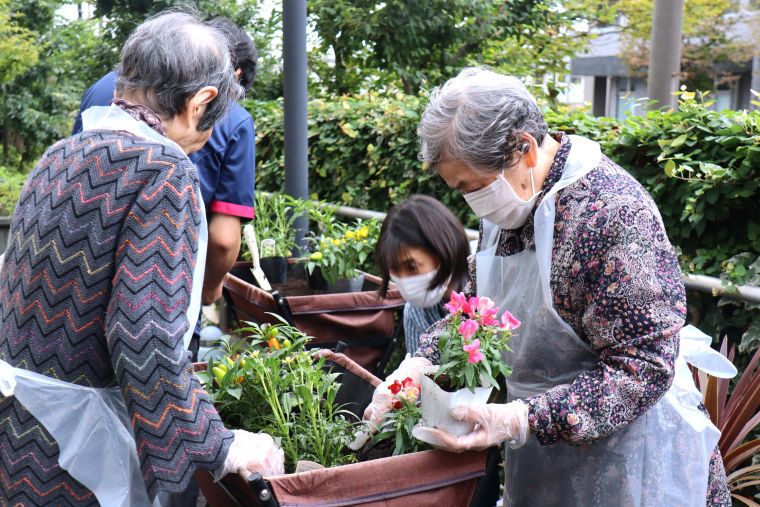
{"x": 356, "y": 318}
{"x": 420, "y": 479}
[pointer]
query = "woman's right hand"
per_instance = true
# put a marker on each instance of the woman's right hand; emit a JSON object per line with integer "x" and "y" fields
{"x": 382, "y": 399}
{"x": 253, "y": 452}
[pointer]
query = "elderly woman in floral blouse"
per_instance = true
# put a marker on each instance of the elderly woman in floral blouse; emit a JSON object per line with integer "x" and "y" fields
{"x": 601, "y": 408}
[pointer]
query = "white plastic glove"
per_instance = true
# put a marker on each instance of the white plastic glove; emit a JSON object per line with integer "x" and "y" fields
{"x": 496, "y": 423}
{"x": 382, "y": 398}
{"x": 250, "y": 453}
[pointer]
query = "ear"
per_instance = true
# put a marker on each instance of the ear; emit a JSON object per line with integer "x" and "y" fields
{"x": 530, "y": 155}
{"x": 204, "y": 96}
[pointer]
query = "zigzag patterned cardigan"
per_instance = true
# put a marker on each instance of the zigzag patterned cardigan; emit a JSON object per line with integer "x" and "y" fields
{"x": 94, "y": 290}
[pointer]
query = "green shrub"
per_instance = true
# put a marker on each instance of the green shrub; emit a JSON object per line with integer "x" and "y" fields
{"x": 11, "y": 182}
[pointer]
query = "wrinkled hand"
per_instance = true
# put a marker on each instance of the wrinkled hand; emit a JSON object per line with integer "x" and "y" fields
{"x": 253, "y": 452}
{"x": 382, "y": 399}
{"x": 496, "y": 423}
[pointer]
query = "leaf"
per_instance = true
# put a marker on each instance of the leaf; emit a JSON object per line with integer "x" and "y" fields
{"x": 235, "y": 392}
{"x": 678, "y": 141}
{"x": 670, "y": 167}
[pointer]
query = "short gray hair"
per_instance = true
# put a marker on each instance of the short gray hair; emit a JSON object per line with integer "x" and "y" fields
{"x": 477, "y": 118}
{"x": 170, "y": 57}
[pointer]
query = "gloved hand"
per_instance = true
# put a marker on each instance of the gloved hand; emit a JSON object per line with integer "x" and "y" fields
{"x": 496, "y": 422}
{"x": 252, "y": 452}
{"x": 382, "y": 398}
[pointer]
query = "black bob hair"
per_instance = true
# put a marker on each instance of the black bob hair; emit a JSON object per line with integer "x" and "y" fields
{"x": 423, "y": 222}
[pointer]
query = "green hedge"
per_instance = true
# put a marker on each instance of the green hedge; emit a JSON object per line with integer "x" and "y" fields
{"x": 702, "y": 167}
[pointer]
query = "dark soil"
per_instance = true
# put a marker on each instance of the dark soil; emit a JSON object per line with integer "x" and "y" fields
{"x": 443, "y": 381}
{"x": 376, "y": 450}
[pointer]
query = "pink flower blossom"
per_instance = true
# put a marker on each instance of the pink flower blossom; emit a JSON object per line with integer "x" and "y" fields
{"x": 485, "y": 305}
{"x": 509, "y": 321}
{"x": 456, "y": 302}
{"x": 488, "y": 318}
{"x": 468, "y": 328}
{"x": 471, "y": 306}
{"x": 474, "y": 355}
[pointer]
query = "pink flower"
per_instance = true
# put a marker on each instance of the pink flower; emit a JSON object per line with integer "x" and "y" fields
{"x": 474, "y": 355}
{"x": 485, "y": 305}
{"x": 468, "y": 328}
{"x": 456, "y": 302}
{"x": 471, "y": 306}
{"x": 509, "y": 321}
{"x": 488, "y": 318}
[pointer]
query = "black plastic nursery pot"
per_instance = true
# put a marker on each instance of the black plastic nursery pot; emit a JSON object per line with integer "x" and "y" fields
{"x": 275, "y": 269}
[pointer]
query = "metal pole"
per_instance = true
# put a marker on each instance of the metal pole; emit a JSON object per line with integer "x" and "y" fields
{"x": 665, "y": 53}
{"x": 296, "y": 98}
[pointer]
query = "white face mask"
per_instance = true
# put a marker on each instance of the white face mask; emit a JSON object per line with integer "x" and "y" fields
{"x": 498, "y": 203}
{"x": 415, "y": 289}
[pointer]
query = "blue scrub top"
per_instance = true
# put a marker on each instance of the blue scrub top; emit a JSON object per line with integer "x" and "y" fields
{"x": 226, "y": 164}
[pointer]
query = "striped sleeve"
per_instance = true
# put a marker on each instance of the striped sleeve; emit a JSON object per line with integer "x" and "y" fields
{"x": 176, "y": 428}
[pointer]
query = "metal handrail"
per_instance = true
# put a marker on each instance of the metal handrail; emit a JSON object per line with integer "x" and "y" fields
{"x": 701, "y": 283}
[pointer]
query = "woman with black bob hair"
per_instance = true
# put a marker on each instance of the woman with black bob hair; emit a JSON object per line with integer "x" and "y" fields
{"x": 422, "y": 249}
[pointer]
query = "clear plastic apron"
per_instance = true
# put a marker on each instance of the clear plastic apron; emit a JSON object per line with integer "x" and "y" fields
{"x": 91, "y": 425}
{"x": 661, "y": 458}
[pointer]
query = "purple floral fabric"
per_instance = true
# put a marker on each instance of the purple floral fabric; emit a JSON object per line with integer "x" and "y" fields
{"x": 615, "y": 279}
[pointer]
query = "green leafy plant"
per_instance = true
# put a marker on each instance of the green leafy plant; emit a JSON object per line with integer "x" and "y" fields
{"x": 737, "y": 414}
{"x": 400, "y": 422}
{"x": 275, "y": 218}
{"x": 273, "y": 384}
{"x": 471, "y": 346}
{"x": 342, "y": 249}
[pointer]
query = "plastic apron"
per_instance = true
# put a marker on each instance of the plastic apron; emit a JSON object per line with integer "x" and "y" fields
{"x": 661, "y": 458}
{"x": 91, "y": 425}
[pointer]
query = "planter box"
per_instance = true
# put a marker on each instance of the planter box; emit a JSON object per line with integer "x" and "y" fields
{"x": 363, "y": 321}
{"x": 420, "y": 479}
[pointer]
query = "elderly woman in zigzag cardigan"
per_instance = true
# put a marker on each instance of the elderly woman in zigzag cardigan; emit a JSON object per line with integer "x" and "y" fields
{"x": 99, "y": 286}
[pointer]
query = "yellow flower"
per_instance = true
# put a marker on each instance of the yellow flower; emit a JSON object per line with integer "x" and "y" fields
{"x": 336, "y": 242}
{"x": 350, "y": 235}
{"x": 363, "y": 232}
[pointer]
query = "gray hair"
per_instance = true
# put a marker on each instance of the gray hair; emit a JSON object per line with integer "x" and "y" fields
{"x": 170, "y": 57}
{"x": 478, "y": 117}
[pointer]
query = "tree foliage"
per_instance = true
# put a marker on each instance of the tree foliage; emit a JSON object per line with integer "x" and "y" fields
{"x": 365, "y": 44}
{"x": 716, "y": 37}
{"x": 38, "y": 104}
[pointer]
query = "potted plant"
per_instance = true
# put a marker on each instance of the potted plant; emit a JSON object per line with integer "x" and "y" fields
{"x": 339, "y": 252}
{"x": 471, "y": 361}
{"x": 273, "y": 384}
{"x": 275, "y": 232}
{"x": 396, "y": 430}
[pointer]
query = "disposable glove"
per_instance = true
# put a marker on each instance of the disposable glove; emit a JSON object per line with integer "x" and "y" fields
{"x": 496, "y": 423}
{"x": 382, "y": 398}
{"x": 250, "y": 453}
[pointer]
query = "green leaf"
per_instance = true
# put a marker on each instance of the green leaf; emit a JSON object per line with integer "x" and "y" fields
{"x": 678, "y": 141}
{"x": 235, "y": 392}
{"x": 670, "y": 167}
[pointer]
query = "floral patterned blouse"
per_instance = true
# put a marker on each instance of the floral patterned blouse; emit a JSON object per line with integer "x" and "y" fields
{"x": 615, "y": 279}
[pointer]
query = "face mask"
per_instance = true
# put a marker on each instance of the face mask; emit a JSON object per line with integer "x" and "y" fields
{"x": 415, "y": 289}
{"x": 499, "y": 204}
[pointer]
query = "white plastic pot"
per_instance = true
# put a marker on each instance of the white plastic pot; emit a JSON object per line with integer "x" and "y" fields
{"x": 436, "y": 404}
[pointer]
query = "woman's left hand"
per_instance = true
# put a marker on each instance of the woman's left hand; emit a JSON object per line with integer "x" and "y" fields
{"x": 496, "y": 422}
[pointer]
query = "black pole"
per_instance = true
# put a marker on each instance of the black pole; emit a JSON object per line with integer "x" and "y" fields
{"x": 296, "y": 98}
